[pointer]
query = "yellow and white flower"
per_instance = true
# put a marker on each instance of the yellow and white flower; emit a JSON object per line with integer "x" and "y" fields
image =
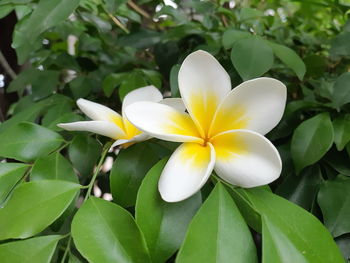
{"x": 222, "y": 131}
{"x": 107, "y": 122}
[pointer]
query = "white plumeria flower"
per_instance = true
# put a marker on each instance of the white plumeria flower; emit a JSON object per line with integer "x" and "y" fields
{"x": 107, "y": 122}
{"x": 223, "y": 130}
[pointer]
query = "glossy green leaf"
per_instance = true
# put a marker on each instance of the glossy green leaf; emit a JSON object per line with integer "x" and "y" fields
{"x": 36, "y": 249}
{"x": 111, "y": 82}
{"x": 302, "y": 190}
{"x": 53, "y": 167}
{"x": 39, "y": 203}
{"x": 56, "y": 112}
{"x": 10, "y": 174}
{"x": 290, "y": 59}
{"x": 174, "y": 85}
{"x": 251, "y": 57}
{"x": 290, "y": 233}
{"x": 28, "y": 115}
{"x": 218, "y": 233}
{"x": 84, "y": 152}
{"x": 343, "y": 243}
{"x": 47, "y": 14}
{"x": 27, "y": 111}
{"x": 163, "y": 224}
{"x": 339, "y": 161}
{"x": 16, "y": 2}
{"x": 129, "y": 168}
{"x": 311, "y": 140}
{"x": 5, "y": 10}
{"x": 334, "y": 200}
{"x": 341, "y": 94}
{"x": 28, "y": 141}
{"x": 230, "y": 36}
{"x": 341, "y": 127}
{"x": 132, "y": 81}
{"x": 105, "y": 232}
{"x": 340, "y": 45}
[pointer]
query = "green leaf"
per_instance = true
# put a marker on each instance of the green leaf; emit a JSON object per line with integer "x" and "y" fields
{"x": 311, "y": 140}
{"x": 251, "y": 57}
{"x": 334, "y": 200}
{"x": 105, "y": 232}
{"x": 36, "y": 249}
{"x": 230, "y": 37}
{"x": 112, "y": 5}
{"x": 339, "y": 161}
{"x": 132, "y": 81}
{"x": 220, "y": 229}
{"x": 290, "y": 233}
{"x": 341, "y": 127}
{"x": 5, "y": 10}
{"x": 27, "y": 111}
{"x": 84, "y": 152}
{"x": 47, "y": 14}
{"x": 28, "y": 141}
{"x": 34, "y": 206}
{"x": 30, "y": 114}
{"x": 56, "y": 112}
{"x": 81, "y": 86}
{"x": 174, "y": 85}
{"x": 111, "y": 82}
{"x": 15, "y": 2}
{"x": 302, "y": 190}
{"x": 10, "y": 174}
{"x": 163, "y": 224}
{"x": 343, "y": 243}
{"x": 153, "y": 77}
{"x": 129, "y": 168}
{"x": 341, "y": 94}
{"x": 53, "y": 167}
{"x": 340, "y": 45}
{"x": 290, "y": 59}
{"x": 102, "y": 25}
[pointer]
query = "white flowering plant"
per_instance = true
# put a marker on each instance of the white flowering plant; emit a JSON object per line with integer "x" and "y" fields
{"x": 174, "y": 131}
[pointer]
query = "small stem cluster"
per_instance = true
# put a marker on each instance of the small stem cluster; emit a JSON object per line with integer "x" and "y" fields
{"x": 106, "y": 147}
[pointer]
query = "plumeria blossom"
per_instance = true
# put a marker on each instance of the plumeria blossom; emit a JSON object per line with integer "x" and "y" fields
{"x": 107, "y": 122}
{"x": 223, "y": 130}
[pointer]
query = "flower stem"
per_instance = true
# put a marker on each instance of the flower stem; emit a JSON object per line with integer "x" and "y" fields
{"x": 67, "y": 249}
{"x": 106, "y": 147}
{"x": 97, "y": 170}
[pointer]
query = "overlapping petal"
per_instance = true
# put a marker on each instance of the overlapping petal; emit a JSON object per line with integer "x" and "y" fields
{"x": 104, "y": 128}
{"x": 256, "y": 104}
{"x": 176, "y": 103}
{"x": 148, "y": 93}
{"x": 203, "y": 84}
{"x": 98, "y": 112}
{"x": 127, "y": 142}
{"x": 186, "y": 172}
{"x": 163, "y": 122}
{"x": 246, "y": 158}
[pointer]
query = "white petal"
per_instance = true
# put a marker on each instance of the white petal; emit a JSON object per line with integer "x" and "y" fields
{"x": 148, "y": 93}
{"x": 137, "y": 138}
{"x": 203, "y": 84}
{"x": 187, "y": 170}
{"x": 246, "y": 158}
{"x": 98, "y": 112}
{"x": 176, "y": 103}
{"x": 256, "y": 104}
{"x": 104, "y": 128}
{"x": 162, "y": 121}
